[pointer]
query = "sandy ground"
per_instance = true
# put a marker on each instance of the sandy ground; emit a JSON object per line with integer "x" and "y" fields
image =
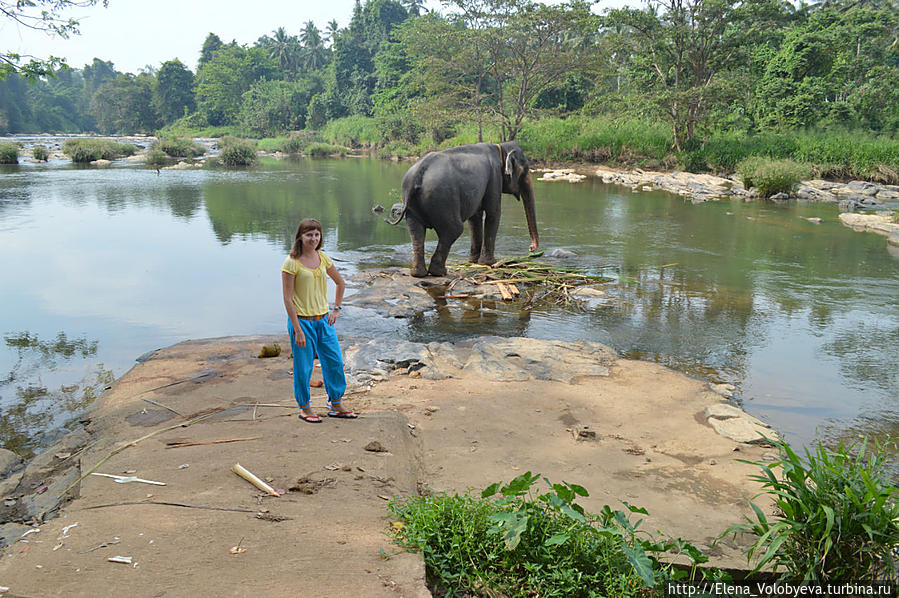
{"x": 327, "y": 535}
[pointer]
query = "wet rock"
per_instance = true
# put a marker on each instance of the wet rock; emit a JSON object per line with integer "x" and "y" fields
{"x": 377, "y": 208}
{"x": 881, "y": 224}
{"x": 9, "y": 462}
{"x": 780, "y": 196}
{"x": 101, "y": 163}
{"x": 893, "y": 239}
{"x": 393, "y": 295}
{"x": 863, "y": 187}
{"x": 725, "y": 390}
{"x": 738, "y": 425}
{"x": 849, "y": 205}
{"x": 562, "y": 175}
{"x": 563, "y": 253}
{"x": 45, "y": 505}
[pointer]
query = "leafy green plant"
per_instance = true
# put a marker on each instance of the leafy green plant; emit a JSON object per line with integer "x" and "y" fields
{"x": 40, "y": 152}
{"x": 518, "y": 541}
{"x": 87, "y": 150}
{"x": 770, "y": 176}
{"x": 237, "y": 152}
{"x": 9, "y": 153}
{"x": 352, "y": 131}
{"x": 837, "y": 516}
{"x": 157, "y": 157}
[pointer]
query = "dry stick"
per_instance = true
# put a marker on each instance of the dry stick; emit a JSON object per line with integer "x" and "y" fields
{"x": 265, "y": 405}
{"x": 134, "y": 442}
{"x": 170, "y": 504}
{"x": 152, "y": 402}
{"x": 198, "y": 443}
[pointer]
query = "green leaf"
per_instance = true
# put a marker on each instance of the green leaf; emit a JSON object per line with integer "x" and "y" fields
{"x": 642, "y": 565}
{"x": 556, "y": 539}
{"x": 572, "y": 513}
{"x": 634, "y": 509}
{"x": 490, "y": 490}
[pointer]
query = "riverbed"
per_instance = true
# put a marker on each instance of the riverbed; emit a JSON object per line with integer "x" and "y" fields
{"x": 800, "y": 316}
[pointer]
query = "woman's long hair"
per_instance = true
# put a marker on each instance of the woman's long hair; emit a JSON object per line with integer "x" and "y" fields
{"x": 306, "y": 225}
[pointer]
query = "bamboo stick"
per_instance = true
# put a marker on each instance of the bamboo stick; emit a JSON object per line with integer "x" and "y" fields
{"x": 248, "y": 476}
{"x": 172, "y": 445}
{"x": 504, "y": 291}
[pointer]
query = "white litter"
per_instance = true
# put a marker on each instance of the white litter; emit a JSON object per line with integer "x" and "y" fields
{"x": 31, "y": 531}
{"x": 125, "y": 479}
{"x": 120, "y": 559}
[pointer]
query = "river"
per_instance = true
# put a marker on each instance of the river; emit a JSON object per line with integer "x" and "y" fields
{"x": 802, "y": 318}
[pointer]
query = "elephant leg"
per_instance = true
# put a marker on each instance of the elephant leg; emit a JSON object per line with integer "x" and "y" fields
{"x": 491, "y": 228}
{"x": 445, "y": 240}
{"x": 417, "y": 234}
{"x": 476, "y": 226}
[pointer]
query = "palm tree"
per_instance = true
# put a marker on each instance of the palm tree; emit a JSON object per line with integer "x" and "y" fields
{"x": 313, "y": 47}
{"x": 414, "y": 7}
{"x": 281, "y": 48}
{"x": 331, "y": 31}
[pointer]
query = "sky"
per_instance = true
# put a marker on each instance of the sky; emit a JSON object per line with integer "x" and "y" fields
{"x": 136, "y": 33}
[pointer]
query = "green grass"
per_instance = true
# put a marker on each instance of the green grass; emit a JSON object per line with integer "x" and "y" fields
{"x": 87, "y": 150}
{"x": 39, "y": 152}
{"x": 352, "y": 131}
{"x": 837, "y": 516}
{"x": 320, "y": 150}
{"x": 771, "y": 176}
{"x": 9, "y": 153}
{"x": 157, "y": 157}
{"x": 178, "y": 147}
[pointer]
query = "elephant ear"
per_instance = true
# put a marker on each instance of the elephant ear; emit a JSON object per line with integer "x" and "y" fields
{"x": 516, "y": 168}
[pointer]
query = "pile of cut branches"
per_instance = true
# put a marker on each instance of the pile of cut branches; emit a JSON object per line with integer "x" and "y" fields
{"x": 546, "y": 281}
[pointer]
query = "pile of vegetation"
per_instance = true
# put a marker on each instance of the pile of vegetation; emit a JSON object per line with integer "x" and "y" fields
{"x": 9, "y": 153}
{"x": 237, "y": 152}
{"x": 837, "y": 521}
{"x": 85, "y": 150}
{"x": 771, "y": 177}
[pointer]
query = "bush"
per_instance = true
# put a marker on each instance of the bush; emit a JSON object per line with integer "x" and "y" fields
{"x": 178, "y": 147}
{"x": 39, "y": 152}
{"x": 237, "y": 152}
{"x": 325, "y": 149}
{"x": 88, "y": 150}
{"x": 352, "y": 131}
{"x": 396, "y": 149}
{"x": 9, "y": 153}
{"x": 838, "y": 517}
{"x": 771, "y": 176}
{"x": 157, "y": 157}
{"x": 514, "y": 541}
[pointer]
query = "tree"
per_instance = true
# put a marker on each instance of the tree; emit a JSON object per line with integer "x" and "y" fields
{"x": 174, "y": 96}
{"x": 684, "y": 50}
{"x": 39, "y": 15}
{"x": 331, "y": 31}
{"x": 222, "y": 81}
{"x": 120, "y": 106}
{"x": 272, "y": 107}
{"x": 314, "y": 51}
{"x": 211, "y": 45}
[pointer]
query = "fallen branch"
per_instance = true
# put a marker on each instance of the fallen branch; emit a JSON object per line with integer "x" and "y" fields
{"x": 170, "y": 504}
{"x": 250, "y": 477}
{"x": 171, "y": 445}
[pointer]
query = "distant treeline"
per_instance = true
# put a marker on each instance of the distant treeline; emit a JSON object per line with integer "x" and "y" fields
{"x": 701, "y": 68}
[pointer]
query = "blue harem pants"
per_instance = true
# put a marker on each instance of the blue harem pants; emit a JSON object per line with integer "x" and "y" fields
{"x": 321, "y": 340}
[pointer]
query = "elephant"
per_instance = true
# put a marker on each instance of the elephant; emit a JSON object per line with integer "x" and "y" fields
{"x": 465, "y": 183}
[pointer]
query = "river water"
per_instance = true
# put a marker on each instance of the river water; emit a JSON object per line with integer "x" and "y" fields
{"x": 803, "y": 318}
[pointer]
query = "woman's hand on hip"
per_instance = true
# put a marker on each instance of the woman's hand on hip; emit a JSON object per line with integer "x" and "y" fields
{"x": 332, "y": 317}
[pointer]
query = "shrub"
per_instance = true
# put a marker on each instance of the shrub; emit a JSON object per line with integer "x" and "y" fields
{"x": 88, "y": 150}
{"x": 9, "y": 153}
{"x": 514, "y": 541}
{"x": 771, "y": 176}
{"x": 179, "y": 147}
{"x": 325, "y": 149}
{"x": 237, "y": 152}
{"x": 39, "y": 152}
{"x": 838, "y": 517}
{"x": 157, "y": 157}
{"x": 396, "y": 149}
{"x": 352, "y": 131}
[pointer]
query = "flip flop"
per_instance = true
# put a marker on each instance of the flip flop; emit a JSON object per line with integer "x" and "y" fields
{"x": 343, "y": 414}
{"x": 310, "y": 419}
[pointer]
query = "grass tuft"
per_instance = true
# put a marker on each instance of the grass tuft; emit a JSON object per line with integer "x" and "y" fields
{"x": 9, "y": 153}
{"x": 84, "y": 150}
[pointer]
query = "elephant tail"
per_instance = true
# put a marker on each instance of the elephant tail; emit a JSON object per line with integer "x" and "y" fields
{"x": 399, "y": 211}
{"x": 411, "y": 191}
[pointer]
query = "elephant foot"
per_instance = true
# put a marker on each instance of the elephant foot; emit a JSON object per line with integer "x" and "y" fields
{"x": 473, "y": 258}
{"x": 437, "y": 270}
{"x": 418, "y": 272}
{"x": 487, "y": 260}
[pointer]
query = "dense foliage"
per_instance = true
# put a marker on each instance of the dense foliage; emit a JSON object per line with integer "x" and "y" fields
{"x": 695, "y": 79}
{"x": 88, "y": 150}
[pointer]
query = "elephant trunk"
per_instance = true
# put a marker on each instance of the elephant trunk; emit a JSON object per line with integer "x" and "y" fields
{"x": 527, "y": 199}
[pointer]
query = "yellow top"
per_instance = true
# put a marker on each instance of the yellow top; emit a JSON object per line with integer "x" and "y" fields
{"x": 310, "y": 288}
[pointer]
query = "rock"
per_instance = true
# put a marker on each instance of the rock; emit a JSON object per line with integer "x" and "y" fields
{"x": 45, "y": 505}
{"x": 725, "y": 411}
{"x": 375, "y": 447}
{"x": 377, "y": 208}
{"x": 863, "y": 187}
{"x": 887, "y": 195}
{"x": 101, "y": 163}
{"x": 270, "y": 350}
{"x": 9, "y": 462}
{"x": 848, "y": 205}
{"x": 893, "y": 239}
{"x": 815, "y": 220}
{"x": 741, "y": 430}
{"x": 10, "y": 532}
{"x": 780, "y": 196}
{"x": 587, "y": 292}
{"x": 876, "y": 223}
{"x": 560, "y": 253}
{"x": 725, "y": 390}
{"x": 182, "y": 166}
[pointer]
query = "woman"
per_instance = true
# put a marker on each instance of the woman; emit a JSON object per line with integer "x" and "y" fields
{"x": 310, "y": 323}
